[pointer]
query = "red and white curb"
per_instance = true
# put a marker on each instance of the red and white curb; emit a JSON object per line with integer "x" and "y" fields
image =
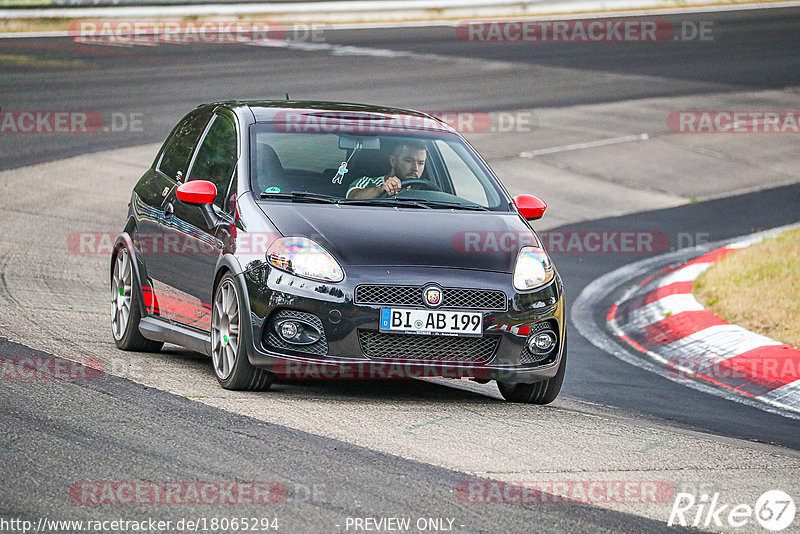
{"x": 661, "y": 320}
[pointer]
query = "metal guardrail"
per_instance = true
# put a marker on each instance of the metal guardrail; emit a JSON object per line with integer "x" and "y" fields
{"x": 125, "y": 3}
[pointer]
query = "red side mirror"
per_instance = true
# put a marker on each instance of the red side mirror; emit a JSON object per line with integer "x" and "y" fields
{"x": 197, "y": 192}
{"x": 530, "y": 207}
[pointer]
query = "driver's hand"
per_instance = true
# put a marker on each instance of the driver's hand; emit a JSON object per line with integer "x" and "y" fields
{"x": 392, "y": 185}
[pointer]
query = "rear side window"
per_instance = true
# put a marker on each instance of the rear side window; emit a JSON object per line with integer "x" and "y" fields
{"x": 181, "y": 144}
{"x": 216, "y": 158}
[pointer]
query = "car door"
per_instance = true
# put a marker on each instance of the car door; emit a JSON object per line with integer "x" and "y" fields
{"x": 152, "y": 197}
{"x": 192, "y": 247}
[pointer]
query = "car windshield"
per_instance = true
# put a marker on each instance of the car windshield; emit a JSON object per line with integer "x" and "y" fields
{"x": 432, "y": 169}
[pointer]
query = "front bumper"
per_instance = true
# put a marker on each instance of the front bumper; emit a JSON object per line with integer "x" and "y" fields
{"x": 346, "y": 325}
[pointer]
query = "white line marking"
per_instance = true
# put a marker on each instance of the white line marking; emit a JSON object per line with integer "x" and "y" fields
{"x": 744, "y": 243}
{"x": 714, "y": 344}
{"x": 661, "y": 309}
{"x": 788, "y": 394}
{"x": 336, "y": 50}
{"x": 581, "y": 146}
{"x": 347, "y": 50}
{"x": 684, "y": 274}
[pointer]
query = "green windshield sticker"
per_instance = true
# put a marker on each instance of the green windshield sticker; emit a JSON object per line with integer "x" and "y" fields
{"x": 272, "y": 189}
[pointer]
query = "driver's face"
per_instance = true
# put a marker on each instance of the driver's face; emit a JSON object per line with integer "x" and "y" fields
{"x": 409, "y": 164}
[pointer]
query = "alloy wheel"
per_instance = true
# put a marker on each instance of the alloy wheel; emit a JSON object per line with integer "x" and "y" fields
{"x": 225, "y": 329}
{"x": 121, "y": 288}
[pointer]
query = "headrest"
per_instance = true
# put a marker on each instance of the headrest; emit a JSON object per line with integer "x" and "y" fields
{"x": 269, "y": 171}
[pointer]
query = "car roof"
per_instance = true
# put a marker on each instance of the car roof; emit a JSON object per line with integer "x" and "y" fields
{"x": 274, "y": 111}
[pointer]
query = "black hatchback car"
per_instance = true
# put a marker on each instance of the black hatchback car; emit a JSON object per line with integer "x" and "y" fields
{"x": 291, "y": 239}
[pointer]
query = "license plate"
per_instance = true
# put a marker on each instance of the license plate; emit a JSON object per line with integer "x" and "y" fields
{"x": 431, "y": 322}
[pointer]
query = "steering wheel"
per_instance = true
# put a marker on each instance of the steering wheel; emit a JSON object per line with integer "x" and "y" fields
{"x": 425, "y": 185}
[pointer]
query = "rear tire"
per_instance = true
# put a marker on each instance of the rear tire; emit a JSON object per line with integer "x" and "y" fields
{"x": 228, "y": 356}
{"x": 126, "y": 308}
{"x": 543, "y": 392}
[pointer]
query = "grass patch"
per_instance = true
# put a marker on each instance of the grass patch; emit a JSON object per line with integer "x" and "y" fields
{"x": 21, "y": 60}
{"x": 758, "y": 288}
{"x": 34, "y": 25}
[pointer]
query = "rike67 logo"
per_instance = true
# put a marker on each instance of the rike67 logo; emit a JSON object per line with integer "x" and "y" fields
{"x": 774, "y": 510}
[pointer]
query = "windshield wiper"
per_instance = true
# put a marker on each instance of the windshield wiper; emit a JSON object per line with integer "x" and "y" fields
{"x": 388, "y": 201}
{"x": 301, "y": 195}
{"x": 446, "y": 204}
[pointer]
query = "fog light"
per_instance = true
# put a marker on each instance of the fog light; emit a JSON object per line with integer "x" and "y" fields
{"x": 542, "y": 342}
{"x": 296, "y": 332}
{"x": 288, "y": 330}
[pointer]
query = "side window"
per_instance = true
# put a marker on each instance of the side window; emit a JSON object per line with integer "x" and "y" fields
{"x": 216, "y": 158}
{"x": 466, "y": 184}
{"x": 180, "y": 145}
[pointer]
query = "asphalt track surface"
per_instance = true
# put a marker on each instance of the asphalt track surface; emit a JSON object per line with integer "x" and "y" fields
{"x": 59, "y": 432}
{"x": 114, "y": 429}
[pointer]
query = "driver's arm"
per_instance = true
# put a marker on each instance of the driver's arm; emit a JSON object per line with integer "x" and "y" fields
{"x": 367, "y": 192}
{"x": 391, "y": 186}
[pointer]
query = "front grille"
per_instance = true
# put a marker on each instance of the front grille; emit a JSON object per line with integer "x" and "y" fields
{"x": 389, "y": 295}
{"x": 377, "y": 345}
{"x": 272, "y": 339}
{"x": 452, "y": 297}
{"x": 477, "y": 299}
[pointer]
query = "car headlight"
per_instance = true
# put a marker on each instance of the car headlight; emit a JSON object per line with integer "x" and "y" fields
{"x": 305, "y": 258}
{"x": 533, "y": 268}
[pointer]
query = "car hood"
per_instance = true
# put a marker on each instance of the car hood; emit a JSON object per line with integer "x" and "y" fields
{"x": 385, "y": 236}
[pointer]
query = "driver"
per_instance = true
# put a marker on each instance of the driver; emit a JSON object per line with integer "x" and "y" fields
{"x": 407, "y": 163}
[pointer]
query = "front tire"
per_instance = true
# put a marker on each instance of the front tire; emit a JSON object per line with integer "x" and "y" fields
{"x": 543, "y": 392}
{"x": 126, "y": 308}
{"x": 229, "y": 358}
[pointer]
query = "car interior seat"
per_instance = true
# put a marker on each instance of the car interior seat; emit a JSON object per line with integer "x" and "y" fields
{"x": 269, "y": 171}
